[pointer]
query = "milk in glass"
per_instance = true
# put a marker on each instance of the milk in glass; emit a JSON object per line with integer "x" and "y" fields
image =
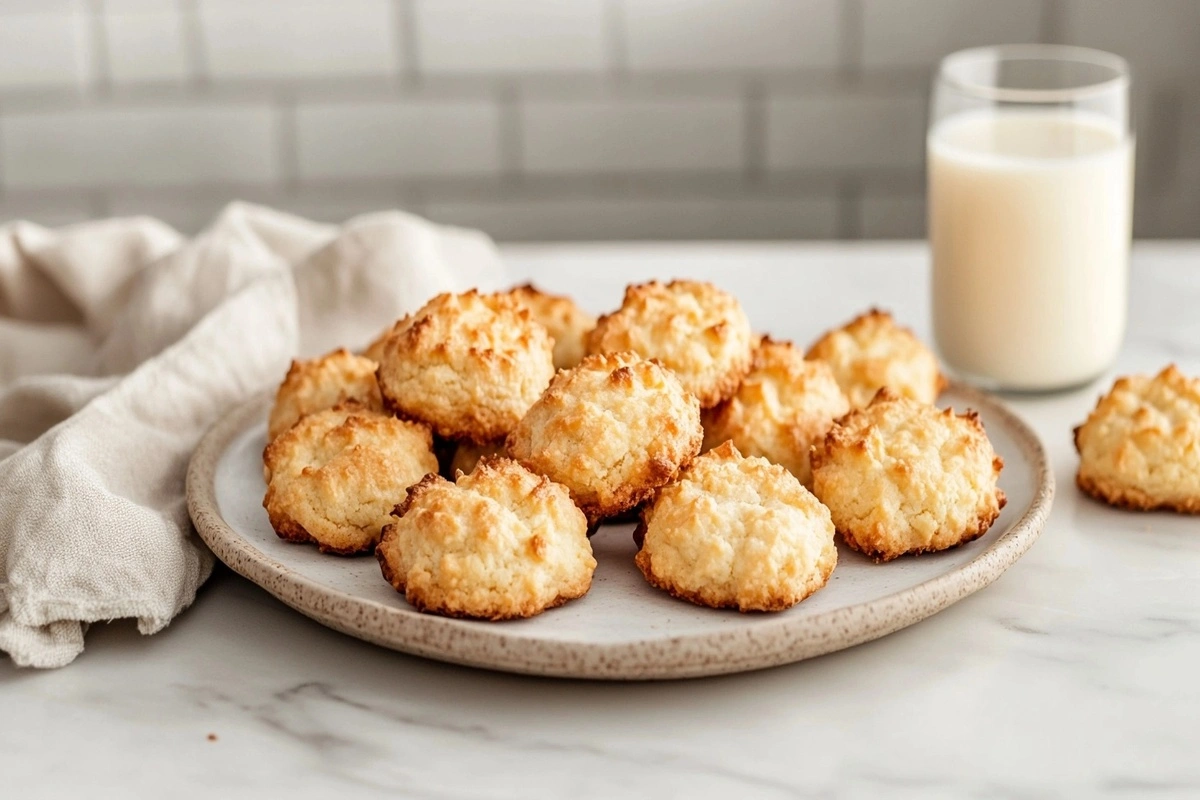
{"x": 1029, "y": 223}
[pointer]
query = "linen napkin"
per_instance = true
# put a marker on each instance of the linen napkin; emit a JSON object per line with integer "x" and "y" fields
{"x": 121, "y": 342}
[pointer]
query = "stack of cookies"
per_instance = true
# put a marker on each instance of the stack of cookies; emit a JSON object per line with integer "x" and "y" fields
{"x": 741, "y": 457}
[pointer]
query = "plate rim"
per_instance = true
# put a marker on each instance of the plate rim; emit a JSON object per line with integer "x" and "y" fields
{"x": 781, "y": 641}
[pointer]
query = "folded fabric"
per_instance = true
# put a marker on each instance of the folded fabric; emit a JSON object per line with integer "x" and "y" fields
{"x": 121, "y": 342}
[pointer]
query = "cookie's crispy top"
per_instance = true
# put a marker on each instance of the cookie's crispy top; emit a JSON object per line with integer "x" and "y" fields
{"x": 498, "y": 543}
{"x": 321, "y": 436}
{"x": 334, "y": 477}
{"x": 749, "y": 484}
{"x": 566, "y": 322}
{"x": 323, "y": 383}
{"x": 784, "y": 404}
{"x": 893, "y": 430}
{"x": 468, "y": 364}
{"x": 872, "y": 351}
{"x": 1140, "y": 446}
{"x": 693, "y": 328}
{"x": 905, "y": 477}
{"x": 737, "y": 532}
{"x": 611, "y": 429}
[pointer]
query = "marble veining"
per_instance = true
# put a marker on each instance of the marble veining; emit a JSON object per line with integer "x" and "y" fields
{"x": 1074, "y": 675}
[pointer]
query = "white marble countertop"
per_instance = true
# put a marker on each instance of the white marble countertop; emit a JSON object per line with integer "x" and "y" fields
{"x": 1073, "y": 675}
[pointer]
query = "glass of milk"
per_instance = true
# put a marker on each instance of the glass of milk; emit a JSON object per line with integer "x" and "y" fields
{"x": 1030, "y": 166}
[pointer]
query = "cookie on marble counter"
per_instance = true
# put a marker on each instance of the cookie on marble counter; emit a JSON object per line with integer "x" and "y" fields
{"x": 693, "y": 328}
{"x": 335, "y": 476}
{"x": 322, "y": 383}
{"x": 1140, "y": 447}
{"x": 611, "y": 430}
{"x": 871, "y": 352}
{"x": 469, "y": 365}
{"x": 902, "y": 477}
{"x": 497, "y": 543}
{"x": 736, "y": 532}
{"x": 784, "y": 405}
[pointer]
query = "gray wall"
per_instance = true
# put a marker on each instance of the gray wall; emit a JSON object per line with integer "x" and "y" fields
{"x": 541, "y": 119}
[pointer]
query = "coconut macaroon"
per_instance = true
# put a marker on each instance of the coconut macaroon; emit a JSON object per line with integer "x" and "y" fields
{"x": 872, "y": 351}
{"x": 903, "y": 477}
{"x": 736, "y": 532}
{"x": 469, "y": 365}
{"x": 1140, "y": 448}
{"x": 468, "y": 454}
{"x": 784, "y": 405}
{"x": 497, "y": 543}
{"x": 320, "y": 384}
{"x": 694, "y": 329}
{"x": 611, "y": 430}
{"x": 334, "y": 476}
{"x": 566, "y": 322}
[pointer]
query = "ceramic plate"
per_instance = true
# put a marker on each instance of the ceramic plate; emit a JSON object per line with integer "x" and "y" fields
{"x": 623, "y": 629}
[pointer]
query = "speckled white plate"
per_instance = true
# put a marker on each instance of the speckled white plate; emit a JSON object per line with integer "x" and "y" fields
{"x": 623, "y": 629}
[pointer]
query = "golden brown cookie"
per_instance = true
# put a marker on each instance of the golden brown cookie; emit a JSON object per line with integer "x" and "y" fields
{"x": 903, "y": 477}
{"x": 498, "y": 543}
{"x": 469, "y": 365}
{"x": 785, "y": 404}
{"x": 611, "y": 430}
{"x": 872, "y": 351}
{"x": 694, "y": 329}
{"x": 1140, "y": 448}
{"x": 736, "y": 532}
{"x": 566, "y": 322}
{"x": 334, "y": 476}
{"x": 323, "y": 383}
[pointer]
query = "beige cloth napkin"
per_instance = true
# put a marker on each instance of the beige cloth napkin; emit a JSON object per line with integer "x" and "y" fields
{"x": 121, "y": 342}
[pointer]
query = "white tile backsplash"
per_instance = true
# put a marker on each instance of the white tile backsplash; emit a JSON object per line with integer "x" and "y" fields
{"x": 710, "y": 35}
{"x": 549, "y": 119}
{"x": 463, "y": 36}
{"x": 45, "y": 48}
{"x": 269, "y": 39}
{"x": 1159, "y": 38}
{"x": 917, "y": 33}
{"x": 619, "y": 134}
{"x": 139, "y": 146}
{"x": 845, "y": 131}
{"x": 397, "y": 139}
{"x": 645, "y": 218}
{"x": 145, "y": 43}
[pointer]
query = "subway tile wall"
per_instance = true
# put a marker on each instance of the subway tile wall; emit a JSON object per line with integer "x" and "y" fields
{"x": 541, "y": 119}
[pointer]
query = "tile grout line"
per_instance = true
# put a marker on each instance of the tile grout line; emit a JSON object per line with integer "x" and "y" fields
{"x": 754, "y": 122}
{"x": 193, "y": 44}
{"x": 286, "y": 135}
{"x": 408, "y": 62}
{"x": 512, "y": 139}
{"x": 1051, "y": 24}
{"x": 617, "y": 49}
{"x": 100, "y": 79}
{"x": 3, "y": 181}
{"x": 849, "y": 195}
{"x": 850, "y": 40}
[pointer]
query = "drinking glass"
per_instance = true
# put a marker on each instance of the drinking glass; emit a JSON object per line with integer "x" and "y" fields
{"x": 1030, "y": 176}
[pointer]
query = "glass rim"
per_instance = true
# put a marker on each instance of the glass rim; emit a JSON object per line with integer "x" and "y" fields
{"x": 1032, "y": 52}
